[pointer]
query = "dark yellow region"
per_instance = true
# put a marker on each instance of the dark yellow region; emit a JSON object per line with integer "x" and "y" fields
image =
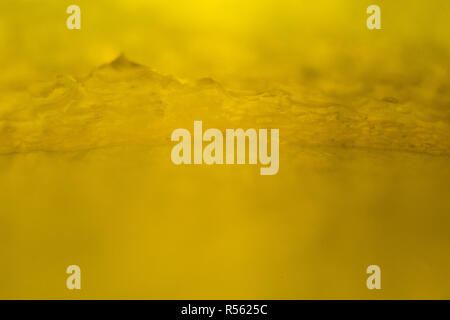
{"x": 86, "y": 176}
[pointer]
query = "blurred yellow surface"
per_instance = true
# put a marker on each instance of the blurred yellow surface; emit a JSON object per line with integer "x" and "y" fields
{"x": 85, "y": 170}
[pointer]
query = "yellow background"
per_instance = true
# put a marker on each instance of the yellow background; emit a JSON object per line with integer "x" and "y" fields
{"x": 85, "y": 170}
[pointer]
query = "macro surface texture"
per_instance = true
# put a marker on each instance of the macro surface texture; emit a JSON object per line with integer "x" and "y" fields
{"x": 86, "y": 176}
